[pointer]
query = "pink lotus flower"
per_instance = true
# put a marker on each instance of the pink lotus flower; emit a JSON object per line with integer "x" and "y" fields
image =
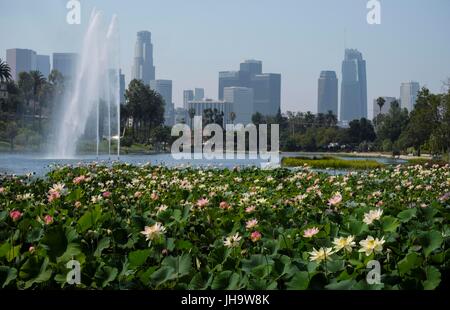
{"x": 48, "y": 219}
{"x": 255, "y": 236}
{"x": 224, "y": 205}
{"x": 335, "y": 200}
{"x": 2, "y": 190}
{"x": 31, "y": 249}
{"x": 137, "y": 195}
{"x": 154, "y": 196}
{"x": 202, "y": 202}
{"x": 251, "y": 224}
{"x": 106, "y": 194}
{"x": 77, "y": 204}
{"x": 15, "y": 215}
{"x": 79, "y": 179}
{"x": 53, "y": 195}
{"x": 250, "y": 209}
{"x": 310, "y": 232}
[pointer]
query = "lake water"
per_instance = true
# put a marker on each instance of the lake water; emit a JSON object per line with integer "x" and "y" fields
{"x": 21, "y": 164}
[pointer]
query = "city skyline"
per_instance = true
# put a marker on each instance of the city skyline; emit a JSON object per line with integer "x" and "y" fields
{"x": 287, "y": 45}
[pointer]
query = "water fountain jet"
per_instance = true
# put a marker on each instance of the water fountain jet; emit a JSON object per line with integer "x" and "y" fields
{"x": 96, "y": 82}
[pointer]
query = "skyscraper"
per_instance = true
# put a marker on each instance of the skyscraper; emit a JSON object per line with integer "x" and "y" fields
{"x": 199, "y": 94}
{"x": 242, "y": 103}
{"x": 164, "y": 88}
{"x": 266, "y": 86}
{"x": 43, "y": 64}
{"x": 66, "y": 64}
{"x": 327, "y": 98}
{"x": 267, "y": 93}
{"x": 188, "y": 95}
{"x": 408, "y": 95}
{"x": 353, "y": 87}
{"x": 20, "y": 60}
{"x": 143, "y": 68}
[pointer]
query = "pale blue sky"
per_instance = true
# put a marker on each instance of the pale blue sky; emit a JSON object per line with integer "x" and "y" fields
{"x": 195, "y": 39}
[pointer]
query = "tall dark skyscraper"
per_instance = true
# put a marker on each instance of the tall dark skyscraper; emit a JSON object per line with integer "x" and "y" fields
{"x": 327, "y": 94}
{"x": 266, "y": 86}
{"x": 353, "y": 87}
{"x": 143, "y": 68}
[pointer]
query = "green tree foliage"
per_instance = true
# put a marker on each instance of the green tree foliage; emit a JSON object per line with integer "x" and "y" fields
{"x": 361, "y": 131}
{"x": 145, "y": 108}
{"x": 429, "y": 123}
{"x": 390, "y": 126}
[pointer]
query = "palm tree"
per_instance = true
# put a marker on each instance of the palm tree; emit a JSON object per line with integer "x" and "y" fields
{"x": 380, "y": 102}
{"x": 5, "y": 71}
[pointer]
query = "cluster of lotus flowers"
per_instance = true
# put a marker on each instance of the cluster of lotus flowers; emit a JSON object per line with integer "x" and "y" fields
{"x": 242, "y": 209}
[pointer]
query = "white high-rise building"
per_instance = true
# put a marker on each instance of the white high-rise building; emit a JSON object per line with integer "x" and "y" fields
{"x": 408, "y": 95}
{"x": 143, "y": 68}
{"x": 20, "y": 60}
{"x": 242, "y": 103}
{"x": 164, "y": 88}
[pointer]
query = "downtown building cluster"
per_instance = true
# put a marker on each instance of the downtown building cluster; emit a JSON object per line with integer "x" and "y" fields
{"x": 241, "y": 93}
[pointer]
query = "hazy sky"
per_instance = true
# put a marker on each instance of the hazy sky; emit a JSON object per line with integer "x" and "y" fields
{"x": 195, "y": 39}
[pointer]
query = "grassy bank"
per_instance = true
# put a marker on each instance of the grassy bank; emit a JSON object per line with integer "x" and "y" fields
{"x": 330, "y": 162}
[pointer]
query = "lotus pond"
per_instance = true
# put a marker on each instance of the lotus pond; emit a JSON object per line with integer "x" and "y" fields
{"x": 154, "y": 227}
